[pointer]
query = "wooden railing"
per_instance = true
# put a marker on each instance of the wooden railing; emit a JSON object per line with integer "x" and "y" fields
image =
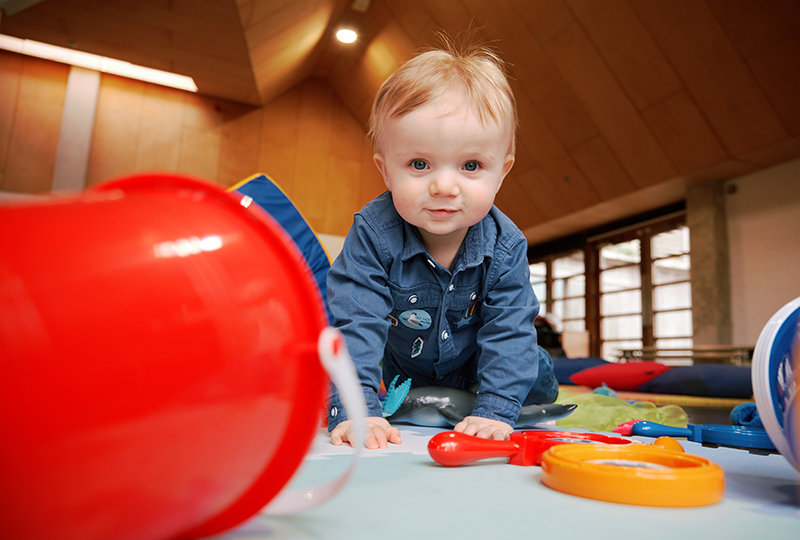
{"x": 699, "y": 354}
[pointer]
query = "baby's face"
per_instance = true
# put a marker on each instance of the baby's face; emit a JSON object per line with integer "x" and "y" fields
{"x": 443, "y": 166}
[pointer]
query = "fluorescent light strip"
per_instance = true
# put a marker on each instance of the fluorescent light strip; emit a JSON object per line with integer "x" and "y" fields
{"x": 97, "y": 63}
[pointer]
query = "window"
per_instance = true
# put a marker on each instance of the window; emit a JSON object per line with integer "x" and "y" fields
{"x": 569, "y": 290}
{"x": 672, "y": 289}
{"x": 560, "y": 285}
{"x": 620, "y": 297}
{"x": 630, "y": 288}
{"x": 539, "y": 284}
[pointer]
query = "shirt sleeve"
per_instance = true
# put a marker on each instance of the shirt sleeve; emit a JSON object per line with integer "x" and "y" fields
{"x": 360, "y": 302}
{"x": 508, "y": 363}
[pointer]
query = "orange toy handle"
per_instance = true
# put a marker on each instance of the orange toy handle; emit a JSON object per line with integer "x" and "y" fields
{"x": 453, "y": 449}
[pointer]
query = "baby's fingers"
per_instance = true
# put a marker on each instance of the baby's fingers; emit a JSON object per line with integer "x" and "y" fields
{"x": 499, "y": 435}
{"x": 338, "y": 436}
{"x": 393, "y": 435}
{"x": 376, "y": 437}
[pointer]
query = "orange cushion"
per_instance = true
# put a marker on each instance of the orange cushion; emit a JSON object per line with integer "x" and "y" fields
{"x": 624, "y": 376}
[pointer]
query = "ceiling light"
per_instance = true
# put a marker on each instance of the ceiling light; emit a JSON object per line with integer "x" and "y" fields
{"x": 346, "y": 35}
{"x": 97, "y": 63}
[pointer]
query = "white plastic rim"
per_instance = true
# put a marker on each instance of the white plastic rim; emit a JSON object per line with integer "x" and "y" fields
{"x": 773, "y": 377}
{"x": 337, "y": 362}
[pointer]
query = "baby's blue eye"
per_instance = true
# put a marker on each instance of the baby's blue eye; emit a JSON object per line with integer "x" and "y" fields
{"x": 471, "y": 166}
{"x": 419, "y": 164}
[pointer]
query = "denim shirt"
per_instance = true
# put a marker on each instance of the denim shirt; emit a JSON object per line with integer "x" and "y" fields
{"x": 394, "y": 302}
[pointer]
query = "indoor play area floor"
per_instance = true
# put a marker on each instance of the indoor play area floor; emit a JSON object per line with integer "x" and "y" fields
{"x": 400, "y": 492}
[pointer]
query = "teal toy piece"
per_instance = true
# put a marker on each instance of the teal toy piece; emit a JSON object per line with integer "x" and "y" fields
{"x": 440, "y": 406}
{"x": 605, "y": 390}
{"x": 395, "y": 396}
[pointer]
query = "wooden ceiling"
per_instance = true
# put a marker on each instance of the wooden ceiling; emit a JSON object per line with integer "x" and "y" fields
{"x": 622, "y": 103}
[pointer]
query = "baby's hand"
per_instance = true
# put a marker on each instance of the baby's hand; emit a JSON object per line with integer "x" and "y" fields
{"x": 378, "y": 433}
{"x": 484, "y": 428}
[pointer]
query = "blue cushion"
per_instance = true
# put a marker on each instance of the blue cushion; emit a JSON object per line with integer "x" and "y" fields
{"x": 706, "y": 380}
{"x": 266, "y": 194}
{"x": 564, "y": 367}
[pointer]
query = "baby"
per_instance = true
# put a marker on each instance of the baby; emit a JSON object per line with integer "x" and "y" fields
{"x": 433, "y": 281}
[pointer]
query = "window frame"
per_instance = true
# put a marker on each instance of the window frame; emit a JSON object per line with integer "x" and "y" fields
{"x": 644, "y": 231}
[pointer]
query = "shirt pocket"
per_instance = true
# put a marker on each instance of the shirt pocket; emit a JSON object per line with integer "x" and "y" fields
{"x": 414, "y": 316}
{"x": 464, "y": 310}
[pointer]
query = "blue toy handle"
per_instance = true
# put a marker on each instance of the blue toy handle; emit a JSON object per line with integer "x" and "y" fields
{"x": 653, "y": 429}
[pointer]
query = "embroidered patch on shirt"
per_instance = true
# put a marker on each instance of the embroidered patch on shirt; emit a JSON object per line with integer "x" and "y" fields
{"x": 467, "y": 318}
{"x": 416, "y": 318}
{"x": 393, "y": 320}
{"x": 416, "y": 348}
{"x": 463, "y": 322}
{"x": 471, "y": 309}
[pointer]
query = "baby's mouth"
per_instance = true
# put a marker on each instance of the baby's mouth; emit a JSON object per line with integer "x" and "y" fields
{"x": 442, "y": 212}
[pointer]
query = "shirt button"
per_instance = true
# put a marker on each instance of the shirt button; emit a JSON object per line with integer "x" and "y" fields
{"x": 473, "y": 296}
{"x": 334, "y": 411}
{"x": 445, "y": 335}
{"x": 451, "y": 287}
{"x": 413, "y": 299}
{"x": 430, "y": 262}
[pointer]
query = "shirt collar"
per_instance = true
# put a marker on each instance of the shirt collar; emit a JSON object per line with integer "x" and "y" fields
{"x": 474, "y": 247}
{"x": 412, "y": 243}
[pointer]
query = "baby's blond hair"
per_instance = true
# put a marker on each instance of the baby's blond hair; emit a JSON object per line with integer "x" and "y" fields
{"x": 475, "y": 71}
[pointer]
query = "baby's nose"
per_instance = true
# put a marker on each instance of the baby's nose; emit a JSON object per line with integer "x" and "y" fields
{"x": 444, "y": 184}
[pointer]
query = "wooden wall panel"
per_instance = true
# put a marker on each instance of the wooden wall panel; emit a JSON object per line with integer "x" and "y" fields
{"x": 536, "y": 78}
{"x": 313, "y": 151}
{"x": 201, "y": 138}
{"x": 117, "y": 128}
{"x": 35, "y": 128}
{"x": 619, "y": 122}
{"x": 451, "y": 17}
{"x": 768, "y": 156}
{"x": 307, "y": 140}
{"x": 199, "y": 153}
{"x": 278, "y": 152}
{"x": 10, "y": 76}
{"x": 32, "y": 152}
{"x": 684, "y": 134}
{"x": 754, "y": 25}
{"x": 200, "y": 38}
{"x": 545, "y": 18}
{"x": 513, "y": 200}
{"x": 387, "y": 52}
{"x": 347, "y": 77}
{"x": 370, "y": 180}
{"x": 414, "y": 18}
{"x": 628, "y": 49}
{"x": 713, "y": 72}
{"x": 768, "y": 40}
{"x": 777, "y": 70}
{"x": 160, "y": 135}
{"x": 342, "y": 182}
{"x": 239, "y": 146}
{"x": 537, "y": 141}
{"x": 540, "y": 193}
{"x": 342, "y": 193}
{"x": 598, "y": 162}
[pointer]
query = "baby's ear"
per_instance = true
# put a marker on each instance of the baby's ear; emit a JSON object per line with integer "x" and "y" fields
{"x": 509, "y": 162}
{"x": 380, "y": 163}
